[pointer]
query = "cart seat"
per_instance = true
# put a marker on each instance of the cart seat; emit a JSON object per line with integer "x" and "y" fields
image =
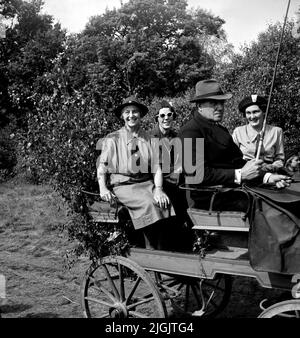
{"x": 216, "y": 220}
{"x": 101, "y": 211}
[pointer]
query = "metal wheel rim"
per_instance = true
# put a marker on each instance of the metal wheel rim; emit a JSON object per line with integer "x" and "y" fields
{"x": 126, "y": 309}
{"x": 279, "y": 308}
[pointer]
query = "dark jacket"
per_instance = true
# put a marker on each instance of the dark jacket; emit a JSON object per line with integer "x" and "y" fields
{"x": 169, "y": 176}
{"x": 221, "y": 155}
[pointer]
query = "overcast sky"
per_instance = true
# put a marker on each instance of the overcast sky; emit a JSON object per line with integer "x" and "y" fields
{"x": 245, "y": 19}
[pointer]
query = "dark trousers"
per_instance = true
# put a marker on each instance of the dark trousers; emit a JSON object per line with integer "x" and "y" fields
{"x": 169, "y": 235}
{"x": 178, "y": 199}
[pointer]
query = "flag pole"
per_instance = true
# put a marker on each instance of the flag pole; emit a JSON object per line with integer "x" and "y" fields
{"x": 262, "y": 133}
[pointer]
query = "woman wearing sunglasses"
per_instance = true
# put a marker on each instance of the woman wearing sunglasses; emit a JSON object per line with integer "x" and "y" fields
{"x": 165, "y": 133}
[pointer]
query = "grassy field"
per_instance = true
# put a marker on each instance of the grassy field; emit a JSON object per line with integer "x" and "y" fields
{"x": 33, "y": 247}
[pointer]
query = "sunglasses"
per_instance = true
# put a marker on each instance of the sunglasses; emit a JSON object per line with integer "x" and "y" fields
{"x": 162, "y": 116}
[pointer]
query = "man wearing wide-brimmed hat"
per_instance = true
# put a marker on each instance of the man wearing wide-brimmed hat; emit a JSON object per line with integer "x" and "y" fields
{"x": 126, "y": 160}
{"x": 223, "y": 160}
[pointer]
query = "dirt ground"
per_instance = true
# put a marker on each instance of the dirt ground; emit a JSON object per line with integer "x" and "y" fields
{"x": 33, "y": 251}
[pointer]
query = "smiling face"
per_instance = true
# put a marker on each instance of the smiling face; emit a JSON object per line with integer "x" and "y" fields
{"x": 212, "y": 110}
{"x": 165, "y": 118}
{"x": 254, "y": 116}
{"x": 132, "y": 117}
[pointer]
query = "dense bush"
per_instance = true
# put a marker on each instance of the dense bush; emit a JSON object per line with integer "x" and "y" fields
{"x": 8, "y": 158}
{"x": 61, "y": 147}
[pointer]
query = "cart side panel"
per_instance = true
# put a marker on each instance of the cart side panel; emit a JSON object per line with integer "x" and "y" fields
{"x": 231, "y": 262}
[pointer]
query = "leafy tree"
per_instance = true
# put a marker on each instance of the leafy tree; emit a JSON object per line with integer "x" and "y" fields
{"x": 27, "y": 52}
{"x": 146, "y": 47}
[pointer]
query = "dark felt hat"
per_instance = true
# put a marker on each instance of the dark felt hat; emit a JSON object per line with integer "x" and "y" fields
{"x": 131, "y": 100}
{"x": 165, "y": 104}
{"x": 210, "y": 90}
{"x": 251, "y": 100}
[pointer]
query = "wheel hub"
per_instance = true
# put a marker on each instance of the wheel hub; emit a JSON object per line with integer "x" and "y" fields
{"x": 119, "y": 311}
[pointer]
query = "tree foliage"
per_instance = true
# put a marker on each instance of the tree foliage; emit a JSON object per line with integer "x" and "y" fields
{"x": 26, "y": 53}
{"x": 146, "y": 47}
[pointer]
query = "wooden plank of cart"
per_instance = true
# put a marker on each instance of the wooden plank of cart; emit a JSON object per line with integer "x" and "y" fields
{"x": 157, "y": 284}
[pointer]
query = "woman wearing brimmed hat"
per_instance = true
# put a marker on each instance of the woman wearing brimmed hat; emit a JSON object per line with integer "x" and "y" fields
{"x": 126, "y": 161}
{"x": 246, "y": 137}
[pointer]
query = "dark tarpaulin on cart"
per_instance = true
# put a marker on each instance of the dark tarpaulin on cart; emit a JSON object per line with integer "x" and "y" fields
{"x": 274, "y": 239}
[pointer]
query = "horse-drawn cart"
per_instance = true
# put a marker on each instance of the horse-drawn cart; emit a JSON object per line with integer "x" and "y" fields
{"x": 156, "y": 283}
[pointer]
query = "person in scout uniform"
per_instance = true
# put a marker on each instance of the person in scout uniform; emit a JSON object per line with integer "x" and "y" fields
{"x": 125, "y": 172}
{"x": 246, "y": 137}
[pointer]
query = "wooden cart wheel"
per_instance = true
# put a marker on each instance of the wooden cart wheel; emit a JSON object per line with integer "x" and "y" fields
{"x": 287, "y": 309}
{"x": 198, "y": 297}
{"x": 119, "y": 288}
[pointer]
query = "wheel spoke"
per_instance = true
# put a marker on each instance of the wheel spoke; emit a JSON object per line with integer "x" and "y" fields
{"x": 144, "y": 301}
{"x": 137, "y": 282}
{"x": 95, "y": 282}
{"x": 180, "y": 287}
{"x": 100, "y": 280}
{"x": 111, "y": 282}
{"x": 99, "y": 302}
{"x": 100, "y": 288}
{"x": 137, "y": 314}
{"x": 108, "y": 294}
{"x": 174, "y": 282}
{"x": 97, "y": 289}
{"x": 122, "y": 287}
{"x": 210, "y": 299}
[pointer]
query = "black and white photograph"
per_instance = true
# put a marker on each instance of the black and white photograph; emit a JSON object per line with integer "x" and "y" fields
{"x": 149, "y": 162}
